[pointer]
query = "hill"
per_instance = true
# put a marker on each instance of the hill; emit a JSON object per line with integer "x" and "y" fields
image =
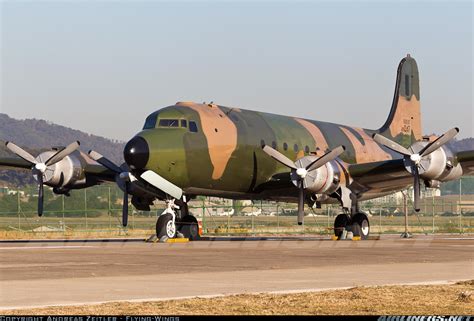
{"x": 462, "y": 144}
{"x": 36, "y": 135}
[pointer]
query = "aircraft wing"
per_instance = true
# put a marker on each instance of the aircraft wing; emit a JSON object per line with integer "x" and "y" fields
{"x": 466, "y": 159}
{"x": 90, "y": 168}
{"x": 375, "y": 175}
{"x": 14, "y": 162}
{"x": 100, "y": 172}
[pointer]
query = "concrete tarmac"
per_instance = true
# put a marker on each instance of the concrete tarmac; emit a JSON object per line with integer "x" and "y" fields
{"x": 44, "y": 274}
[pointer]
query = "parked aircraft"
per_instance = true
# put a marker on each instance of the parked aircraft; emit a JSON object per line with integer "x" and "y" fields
{"x": 191, "y": 149}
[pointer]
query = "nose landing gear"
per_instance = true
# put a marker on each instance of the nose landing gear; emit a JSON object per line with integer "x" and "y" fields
{"x": 166, "y": 223}
{"x": 172, "y": 223}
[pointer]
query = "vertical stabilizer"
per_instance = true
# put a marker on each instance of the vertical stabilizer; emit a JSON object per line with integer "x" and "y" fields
{"x": 404, "y": 121}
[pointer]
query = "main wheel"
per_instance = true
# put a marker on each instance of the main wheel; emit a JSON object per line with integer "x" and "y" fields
{"x": 165, "y": 226}
{"x": 340, "y": 223}
{"x": 189, "y": 227}
{"x": 361, "y": 226}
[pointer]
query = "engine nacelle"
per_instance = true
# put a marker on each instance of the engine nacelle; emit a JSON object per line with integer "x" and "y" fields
{"x": 66, "y": 173}
{"x": 440, "y": 165}
{"x": 324, "y": 180}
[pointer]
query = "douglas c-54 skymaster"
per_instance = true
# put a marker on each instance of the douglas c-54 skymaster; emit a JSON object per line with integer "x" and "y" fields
{"x": 191, "y": 149}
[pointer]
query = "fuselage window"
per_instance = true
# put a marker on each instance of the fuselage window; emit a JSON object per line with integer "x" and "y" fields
{"x": 285, "y": 146}
{"x": 168, "y": 123}
{"x": 295, "y": 148}
{"x": 262, "y": 143}
{"x": 193, "y": 127}
{"x": 184, "y": 123}
{"x": 274, "y": 145}
{"x": 306, "y": 149}
{"x": 150, "y": 122}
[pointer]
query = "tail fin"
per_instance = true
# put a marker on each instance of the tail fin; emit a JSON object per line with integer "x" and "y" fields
{"x": 404, "y": 121}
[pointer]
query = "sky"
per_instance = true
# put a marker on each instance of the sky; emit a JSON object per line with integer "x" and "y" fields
{"x": 103, "y": 66}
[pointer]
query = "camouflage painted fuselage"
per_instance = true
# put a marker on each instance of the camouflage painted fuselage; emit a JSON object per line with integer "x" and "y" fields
{"x": 225, "y": 158}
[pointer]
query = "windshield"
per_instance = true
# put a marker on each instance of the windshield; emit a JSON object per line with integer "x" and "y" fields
{"x": 168, "y": 123}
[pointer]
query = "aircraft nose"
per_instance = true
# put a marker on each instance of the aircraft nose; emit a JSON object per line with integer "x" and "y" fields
{"x": 136, "y": 153}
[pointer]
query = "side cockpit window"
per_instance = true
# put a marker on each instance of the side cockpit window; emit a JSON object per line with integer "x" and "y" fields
{"x": 193, "y": 127}
{"x": 150, "y": 122}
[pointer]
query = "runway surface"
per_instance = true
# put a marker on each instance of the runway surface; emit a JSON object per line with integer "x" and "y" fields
{"x": 42, "y": 274}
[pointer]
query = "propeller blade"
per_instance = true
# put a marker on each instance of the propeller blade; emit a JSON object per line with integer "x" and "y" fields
{"x": 279, "y": 157}
{"x": 329, "y": 156}
{"x": 104, "y": 161}
{"x": 301, "y": 204}
{"x": 391, "y": 144}
{"x": 162, "y": 184}
{"x": 416, "y": 189}
{"x": 125, "y": 207}
{"x": 440, "y": 141}
{"x": 21, "y": 153}
{"x": 62, "y": 153}
{"x": 40, "y": 194}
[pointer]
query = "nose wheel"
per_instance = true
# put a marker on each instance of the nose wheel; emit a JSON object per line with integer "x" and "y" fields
{"x": 165, "y": 226}
{"x": 166, "y": 223}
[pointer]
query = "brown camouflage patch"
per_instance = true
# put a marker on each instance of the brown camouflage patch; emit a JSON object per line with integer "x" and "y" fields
{"x": 315, "y": 132}
{"x": 221, "y": 135}
{"x": 343, "y": 180}
{"x": 370, "y": 152}
{"x": 300, "y": 154}
{"x": 407, "y": 118}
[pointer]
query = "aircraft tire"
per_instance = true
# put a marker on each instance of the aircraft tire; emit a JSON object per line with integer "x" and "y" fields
{"x": 340, "y": 223}
{"x": 165, "y": 226}
{"x": 190, "y": 228}
{"x": 361, "y": 226}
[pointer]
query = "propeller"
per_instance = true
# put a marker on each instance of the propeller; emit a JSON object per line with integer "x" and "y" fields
{"x": 124, "y": 176}
{"x": 162, "y": 184}
{"x": 415, "y": 158}
{"x": 38, "y": 168}
{"x": 127, "y": 177}
{"x": 301, "y": 172}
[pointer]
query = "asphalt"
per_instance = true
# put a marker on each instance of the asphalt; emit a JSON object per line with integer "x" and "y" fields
{"x": 36, "y": 274}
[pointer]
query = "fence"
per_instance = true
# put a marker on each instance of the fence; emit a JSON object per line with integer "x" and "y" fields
{"x": 98, "y": 210}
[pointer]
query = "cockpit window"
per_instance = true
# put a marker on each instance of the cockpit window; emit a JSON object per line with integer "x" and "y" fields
{"x": 150, "y": 122}
{"x": 168, "y": 123}
{"x": 193, "y": 127}
{"x": 184, "y": 123}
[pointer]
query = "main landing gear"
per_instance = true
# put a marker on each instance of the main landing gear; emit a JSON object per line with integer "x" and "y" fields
{"x": 357, "y": 223}
{"x": 176, "y": 221}
{"x": 352, "y": 220}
